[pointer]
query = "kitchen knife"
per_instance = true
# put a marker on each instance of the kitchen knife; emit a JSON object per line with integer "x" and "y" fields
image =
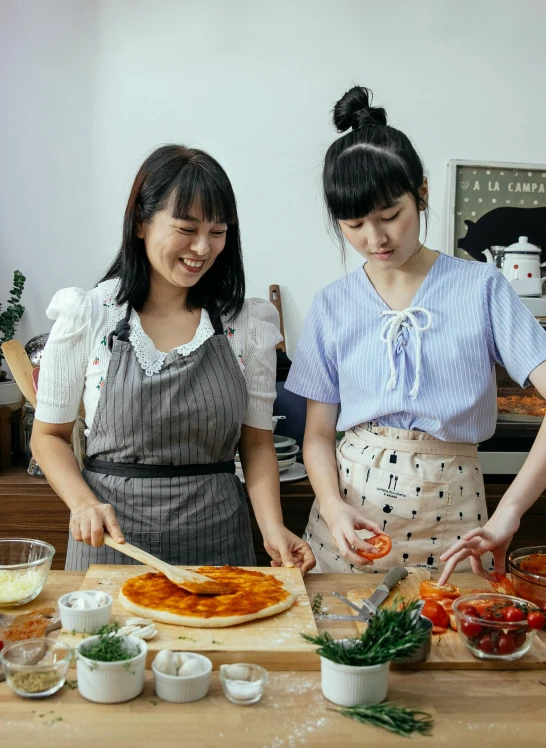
{"x": 391, "y": 578}
{"x": 369, "y": 607}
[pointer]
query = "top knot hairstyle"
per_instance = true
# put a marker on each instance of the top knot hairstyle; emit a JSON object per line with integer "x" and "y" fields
{"x": 181, "y": 179}
{"x": 372, "y": 165}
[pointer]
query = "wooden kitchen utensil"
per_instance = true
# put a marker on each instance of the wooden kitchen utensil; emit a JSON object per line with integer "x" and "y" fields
{"x": 188, "y": 580}
{"x": 21, "y": 368}
{"x": 283, "y": 362}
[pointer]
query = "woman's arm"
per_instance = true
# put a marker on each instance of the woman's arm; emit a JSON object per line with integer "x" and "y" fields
{"x": 50, "y": 446}
{"x": 524, "y": 490}
{"x": 260, "y": 466}
{"x": 319, "y": 451}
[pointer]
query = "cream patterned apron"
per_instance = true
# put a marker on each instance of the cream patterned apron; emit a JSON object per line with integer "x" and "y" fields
{"x": 423, "y": 492}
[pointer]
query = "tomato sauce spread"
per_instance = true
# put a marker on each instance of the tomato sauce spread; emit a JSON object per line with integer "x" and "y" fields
{"x": 252, "y": 591}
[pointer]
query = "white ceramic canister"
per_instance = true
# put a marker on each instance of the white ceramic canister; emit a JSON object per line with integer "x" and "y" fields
{"x": 347, "y": 685}
{"x": 111, "y": 682}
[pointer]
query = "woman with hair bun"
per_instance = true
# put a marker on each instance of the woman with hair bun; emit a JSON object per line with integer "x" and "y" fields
{"x": 400, "y": 356}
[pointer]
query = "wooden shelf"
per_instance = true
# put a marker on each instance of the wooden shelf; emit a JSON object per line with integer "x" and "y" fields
{"x": 30, "y": 508}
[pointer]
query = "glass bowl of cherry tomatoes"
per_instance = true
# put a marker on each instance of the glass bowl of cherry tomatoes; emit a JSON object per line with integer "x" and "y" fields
{"x": 497, "y": 627}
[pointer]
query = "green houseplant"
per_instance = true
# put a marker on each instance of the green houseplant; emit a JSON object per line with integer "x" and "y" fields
{"x": 11, "y": 316}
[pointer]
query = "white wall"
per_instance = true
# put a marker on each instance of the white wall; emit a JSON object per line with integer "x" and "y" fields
{"x": 94, "y": 85}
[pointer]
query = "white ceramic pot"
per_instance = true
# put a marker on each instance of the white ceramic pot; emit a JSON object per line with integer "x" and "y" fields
{"x": 89, "y": 620}
{"x": 111, "y": 682}
{"x": 347, "y": 685}
{"x": 10, "y": 394}
{"x": 184, "y": 688}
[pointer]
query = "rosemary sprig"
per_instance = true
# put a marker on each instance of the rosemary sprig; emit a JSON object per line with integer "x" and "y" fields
{"x": 110, "y": 646}
{"x": 316, "y": 604}
{"x": 391, "y": 636}
{"x": 390, "y": 716}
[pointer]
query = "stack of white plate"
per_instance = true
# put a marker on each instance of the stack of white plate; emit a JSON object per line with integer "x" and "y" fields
{"x": 287, "y": 452}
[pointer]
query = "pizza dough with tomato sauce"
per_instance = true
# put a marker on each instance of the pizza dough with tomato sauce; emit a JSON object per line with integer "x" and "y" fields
{"x": 255, "y": 595}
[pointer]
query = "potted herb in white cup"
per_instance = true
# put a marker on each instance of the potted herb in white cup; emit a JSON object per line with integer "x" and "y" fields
{"x": 356, "y": 671}
{"x": 111, "y": 666}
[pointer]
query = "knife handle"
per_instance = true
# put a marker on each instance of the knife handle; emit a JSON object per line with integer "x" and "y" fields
{"x": 393, "y": 576}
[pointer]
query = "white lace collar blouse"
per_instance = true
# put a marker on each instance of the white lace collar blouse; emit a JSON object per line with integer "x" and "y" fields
{"x": 76, "y": 356}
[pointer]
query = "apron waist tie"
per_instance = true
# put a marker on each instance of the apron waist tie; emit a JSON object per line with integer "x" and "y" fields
{"x": 421, "y": 446}
{"x": 139, "y": 470}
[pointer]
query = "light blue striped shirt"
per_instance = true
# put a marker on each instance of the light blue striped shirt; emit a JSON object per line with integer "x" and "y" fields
{"x": 476, "y": 319}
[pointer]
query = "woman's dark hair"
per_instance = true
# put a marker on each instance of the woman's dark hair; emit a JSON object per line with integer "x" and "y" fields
{"x": 182, "y": 178}
{"x": 370, "y": 167}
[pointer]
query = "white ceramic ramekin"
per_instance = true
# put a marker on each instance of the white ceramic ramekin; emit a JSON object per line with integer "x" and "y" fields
{"x": 111, "y": 682}
{"x": 347, "y": 685}
{"x": 84, "y": 620}
{"x": 184, "y": 688}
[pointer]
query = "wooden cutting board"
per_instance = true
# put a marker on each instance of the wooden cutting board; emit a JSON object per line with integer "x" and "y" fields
{"x": 275, "y": 643}
{"x": 448, "y": 650}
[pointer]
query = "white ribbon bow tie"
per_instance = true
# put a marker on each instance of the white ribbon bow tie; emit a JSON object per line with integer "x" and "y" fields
{"x": 390, "y": 332}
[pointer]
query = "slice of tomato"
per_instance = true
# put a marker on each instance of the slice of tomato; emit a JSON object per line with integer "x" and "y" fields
{"x": 435, "y": 613}
{"x": 453, "y": 621}
{"x": 446, "y": 603}
{"x": 439, "y": 629}
{"x": 383, "y": 543}
{"x": 503, "y": 585}
{"x": 433, "y": 590}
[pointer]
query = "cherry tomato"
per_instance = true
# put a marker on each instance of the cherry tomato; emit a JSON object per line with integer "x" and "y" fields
{"x": 513, "y": 614}
{"x": 432, "y": 590}
{"x": 470, "y": 628}
{"x": 435, "y": 613}
{"x": 535, "y": 619}
{"x": 383, "y": 544}
{"x": 519, "y": 639}
{"x": 469, "y": 610}
{"x": 506, "y": 644}
{"x": 1, "y": 645}
{"x": 486, "y": 615}
{"x": 486, "y": 643}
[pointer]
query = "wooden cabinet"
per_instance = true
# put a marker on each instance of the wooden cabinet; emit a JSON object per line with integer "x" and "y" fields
{"x": 30, "y": 508}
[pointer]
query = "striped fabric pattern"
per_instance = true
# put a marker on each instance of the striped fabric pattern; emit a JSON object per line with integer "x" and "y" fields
{"x": 190, "y": 412}
{"x": 477, "y": 320}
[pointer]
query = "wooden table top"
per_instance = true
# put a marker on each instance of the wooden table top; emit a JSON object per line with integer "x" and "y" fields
{"x": 471, "y": 708}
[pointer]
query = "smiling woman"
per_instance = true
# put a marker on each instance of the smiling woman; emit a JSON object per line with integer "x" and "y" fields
{"x": 176, "y": 370}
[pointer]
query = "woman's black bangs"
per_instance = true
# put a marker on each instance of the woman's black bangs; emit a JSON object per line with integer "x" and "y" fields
{"x": 204, "y": 190}
{"x": 364, "y": 179}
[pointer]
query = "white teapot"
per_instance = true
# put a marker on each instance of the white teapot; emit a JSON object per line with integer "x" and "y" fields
{"x": 521, "y": 266}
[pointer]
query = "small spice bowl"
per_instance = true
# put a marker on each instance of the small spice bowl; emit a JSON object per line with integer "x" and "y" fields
{"x": 243, "y": 683}
{"x": 181, "y": 689}
{"x": 36, "y": 668}
{"x": 87, "y": 620}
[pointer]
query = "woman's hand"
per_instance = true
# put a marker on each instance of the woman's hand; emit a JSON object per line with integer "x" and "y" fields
{"x": 343, "y": 520}
{"x": 88, "y": 524}
{"x": 286, "y": 549}
{"x": 494, "y": 536}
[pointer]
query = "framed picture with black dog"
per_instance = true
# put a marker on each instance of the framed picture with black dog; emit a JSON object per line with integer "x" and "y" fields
{"x": 492, "y": 205}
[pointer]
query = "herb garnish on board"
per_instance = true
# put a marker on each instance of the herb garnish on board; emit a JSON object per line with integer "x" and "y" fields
{"x": 111, "y": 646}
{"x": 391, "y": 636}
{"x": 391, "y": 717}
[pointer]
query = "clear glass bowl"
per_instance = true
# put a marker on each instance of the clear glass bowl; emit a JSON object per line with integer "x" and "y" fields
{"x": 488, "y": 636}
{"x": 36, "y": 668}
{"x": 24, "y": 566}
{"x": 530, "y": 586}
{"x": 243, "y": 683}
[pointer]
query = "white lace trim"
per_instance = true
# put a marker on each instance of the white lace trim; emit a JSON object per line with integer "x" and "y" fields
{"x": 147, "y": 354}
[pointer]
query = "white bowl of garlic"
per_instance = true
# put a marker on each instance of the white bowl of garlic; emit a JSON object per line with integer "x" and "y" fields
{"x": 85, "y": 610}
{"x": 181, "y": 676}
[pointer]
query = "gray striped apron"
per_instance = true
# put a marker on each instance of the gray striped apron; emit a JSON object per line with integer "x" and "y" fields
{"x": 161, "y": 451}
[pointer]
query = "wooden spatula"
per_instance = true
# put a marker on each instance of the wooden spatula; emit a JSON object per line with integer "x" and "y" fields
{"x": 21, "y": 368}
{"x": 188, "y": 580}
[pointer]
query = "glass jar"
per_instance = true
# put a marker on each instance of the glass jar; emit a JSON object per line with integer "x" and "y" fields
{"x": 27, "y": 422}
